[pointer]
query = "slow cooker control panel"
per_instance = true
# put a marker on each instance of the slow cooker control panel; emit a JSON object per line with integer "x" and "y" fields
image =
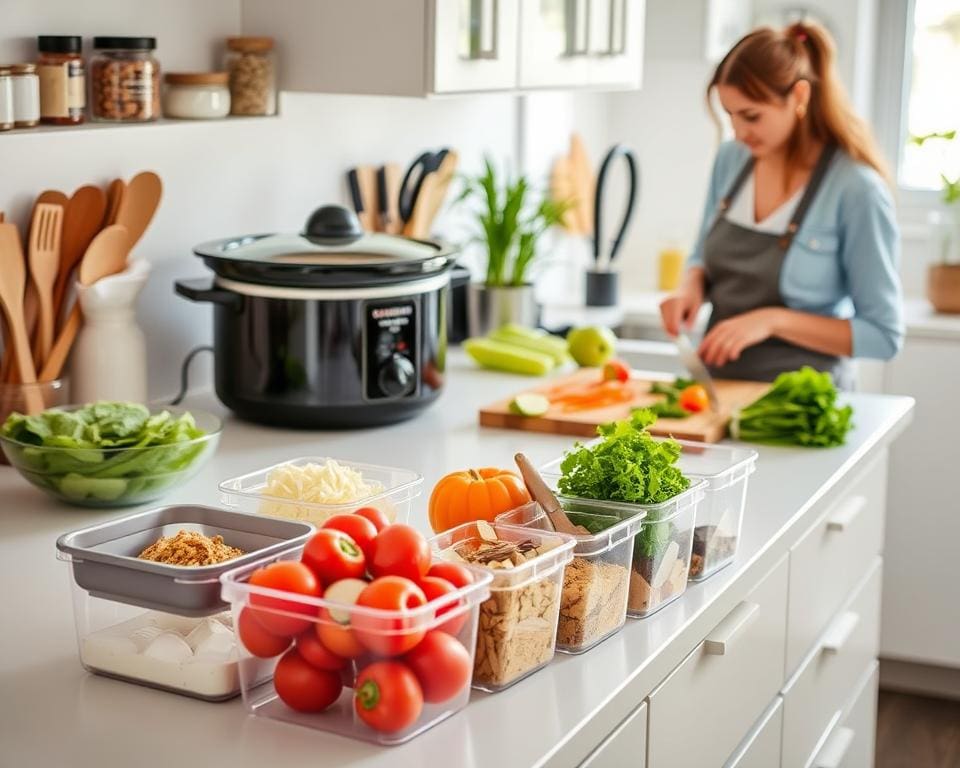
{"x": 391, "y": 349}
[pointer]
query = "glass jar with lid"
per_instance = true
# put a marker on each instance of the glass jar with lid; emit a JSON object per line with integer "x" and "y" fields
{"x": 251, "y": 64}
{"x": 126, "y": 79}
{"x": 63, "y": 93}
{"x": 26, "y": 95}
{"x": 196, "y": 95}
{"x": 6, "y": 99}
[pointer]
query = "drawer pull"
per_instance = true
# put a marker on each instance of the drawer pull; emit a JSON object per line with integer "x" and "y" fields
{"x": 848, "y": 511}
{"x": 837, "y": 635}
{"x": 835, "y": 750}
{"x": 717, "y": 642}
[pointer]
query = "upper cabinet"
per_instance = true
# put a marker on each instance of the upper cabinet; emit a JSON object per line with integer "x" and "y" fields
{"x": 435, "y": 47}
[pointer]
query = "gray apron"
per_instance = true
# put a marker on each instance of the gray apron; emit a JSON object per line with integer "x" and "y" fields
{"x": 743, "y": 273}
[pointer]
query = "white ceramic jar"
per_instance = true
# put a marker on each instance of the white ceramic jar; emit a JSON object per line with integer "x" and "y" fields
{"x": 6, "y": 100}
{"x": 196, "y": 95}
{"x": 26, "y": 95}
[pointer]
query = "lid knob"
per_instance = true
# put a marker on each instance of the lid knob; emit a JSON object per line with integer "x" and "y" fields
{"x": 333, "y": 224}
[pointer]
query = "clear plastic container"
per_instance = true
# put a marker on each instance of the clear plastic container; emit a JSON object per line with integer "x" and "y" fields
{"x": 398, "y": 488}
{"x": 125, "y": 80}
{"x": 518, "y": 623}
{"x": 726, "y": 470}
{"x": 251, "y": 62}
{"x": 381, "y": 629}
{"x": 596, "y": 583}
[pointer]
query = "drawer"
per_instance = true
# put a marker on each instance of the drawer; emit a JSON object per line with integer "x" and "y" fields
{"x": 816, "y": 697}
{"x": 851, "y": 743}
{"x": 626, "y": 747}
{"x": 706, "y": 706}
{"x": 761, "y": 748}
{"x": 832, "y": 557}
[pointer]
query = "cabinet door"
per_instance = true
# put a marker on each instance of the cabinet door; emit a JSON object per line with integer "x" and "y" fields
{"x": 626, "y": 746}
{"x": 581, "y": 43}
{"x": 474, "y": 45}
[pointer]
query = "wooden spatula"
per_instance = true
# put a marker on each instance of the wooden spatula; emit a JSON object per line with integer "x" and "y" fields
{"x": 138, "y": 204}
{"x": 390, "y": 177}
{"x": 82, "y": 219}
{"x": 13, "y": 278}
{"x": 114, "y": 195}
{"x": 107, "y": 255}
{"x": 542, "y": 494}
{"x": 443, "y": 177}
{"x": 44, "y": 260}
{"x": 583, "y": 183}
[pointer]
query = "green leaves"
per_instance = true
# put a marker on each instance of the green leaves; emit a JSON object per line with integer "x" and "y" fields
{"x": 670, "y": 408}
{"x": 800, "y": 409}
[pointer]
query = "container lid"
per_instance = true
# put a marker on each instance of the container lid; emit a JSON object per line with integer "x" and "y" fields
{"x": 197, "y": 78}
{"x": 720, "y": 465}
{"x": 59, "y": 43}
{"x": 5, "y": 72}
{"x": 23, "y": 69}
{"x": 125, "y": 43}
{"x": 250, "y": 44}
{"x": 332, "y": 251}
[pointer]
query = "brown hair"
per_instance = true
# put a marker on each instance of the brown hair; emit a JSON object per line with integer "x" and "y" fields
{"x": 767, "y": 63}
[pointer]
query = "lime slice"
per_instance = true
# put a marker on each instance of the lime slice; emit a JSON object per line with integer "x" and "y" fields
{"x": 530, "y": 404}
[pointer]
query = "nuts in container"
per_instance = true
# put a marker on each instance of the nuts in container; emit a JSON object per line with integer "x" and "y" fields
{"x": 125, "y": 79}
{"x": 250, "y": 62}
{"x": 518, "y": 622}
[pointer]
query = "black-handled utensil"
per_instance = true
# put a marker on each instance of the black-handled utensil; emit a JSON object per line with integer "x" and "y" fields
{"x": 353, "y": 181}
{"x": 426, "y": 163}
{"x": 617, "y": 150}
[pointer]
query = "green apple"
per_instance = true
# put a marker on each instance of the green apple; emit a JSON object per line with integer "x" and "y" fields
{"x": 591, "y": 346}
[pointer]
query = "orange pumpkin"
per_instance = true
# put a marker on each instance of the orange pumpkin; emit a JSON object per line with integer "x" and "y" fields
{"x": 475, "y": 494}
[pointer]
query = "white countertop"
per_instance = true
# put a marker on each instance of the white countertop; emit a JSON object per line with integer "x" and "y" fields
{"x": 54, "y": 713}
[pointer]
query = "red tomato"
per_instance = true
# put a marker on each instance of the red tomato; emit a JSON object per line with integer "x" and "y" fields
{"x": 338, "y": 638}
{"x": 375, "y": 516}
{"x": 358, "y": 528}
{"x": 694, "y": 399}
{"x": 442, "y": 666}
{"x": 387, "y": 696}
{"x": 287, "y": 576}
{"x": 455, "y": 573}
{"x": 303, "y": 687}
{"x": 315, "y": 652}
{"x": 332, "y": 555}
{"x": 256, "y": 639}
{"x": 400, "y": 550}
{"x": 616, "y": 370}
{"x": 434, "y": 587}
{"x": 385, "y": 635}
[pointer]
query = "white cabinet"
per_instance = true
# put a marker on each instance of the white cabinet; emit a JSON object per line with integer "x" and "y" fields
{"x": 474, "y": 45}
{"x": 761, "y": 747}
{"x": 626, "y": 747}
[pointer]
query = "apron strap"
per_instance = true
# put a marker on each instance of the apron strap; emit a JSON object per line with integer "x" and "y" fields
{"x": 816, "y": 178}
{"x": 735, "y": 187}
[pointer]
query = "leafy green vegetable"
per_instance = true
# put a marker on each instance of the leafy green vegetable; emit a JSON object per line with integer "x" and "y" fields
{"x": 800, "y": 409}
{"x": 670, "y": 408}
{"x": 103, "y": 452}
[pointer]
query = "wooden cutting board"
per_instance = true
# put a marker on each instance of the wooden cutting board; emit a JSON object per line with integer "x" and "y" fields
{"x": 705, "y": 427}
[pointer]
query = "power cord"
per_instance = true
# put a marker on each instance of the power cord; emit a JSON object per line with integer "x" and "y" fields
{"x": 185, "y": 371}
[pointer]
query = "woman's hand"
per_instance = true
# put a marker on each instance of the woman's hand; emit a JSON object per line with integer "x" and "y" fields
{"x": 727, "y": 339}
{"x": 680, "y": 309}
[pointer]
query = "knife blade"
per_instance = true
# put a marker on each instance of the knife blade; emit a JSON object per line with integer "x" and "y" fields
{"x": 699, "y": 372}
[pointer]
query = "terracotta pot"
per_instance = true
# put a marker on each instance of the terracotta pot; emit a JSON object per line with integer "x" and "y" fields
{"x": 943, "y": 287}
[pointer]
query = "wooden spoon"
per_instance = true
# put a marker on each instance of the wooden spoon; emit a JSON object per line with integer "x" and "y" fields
{"x": 545, "y": 498}
{"x": 107, "y": 255}
{"x": 82, "y": 219}
{"x": 44, "y": 255}
{"x": 138, "y": 204}
{"x": 13, "y": 277}
{"x": 115, "y": 194}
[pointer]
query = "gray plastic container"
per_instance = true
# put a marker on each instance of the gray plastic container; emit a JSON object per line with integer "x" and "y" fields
{"x": 105, "y": 562}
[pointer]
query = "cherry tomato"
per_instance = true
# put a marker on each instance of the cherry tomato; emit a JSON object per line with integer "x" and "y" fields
{"x": 455, "y": 573}
{"x": 286, "y": 576}
{"x": 338, "y": 638}
{"x": 256, "y": 639}
{"x": 332, "y": 555}
{"x": 694, "y": 399}
{"x": 315, "y": 652}
{"x": 434, "y": 587}
{"x": 386, "y": 635}
{"x": 387, "y": 696}
{"x": 400, "y": 550}
{"x": 616, "y": 370}
{"x": 357, "y": 527}
{"x": 303, "y": 687}
{"x": 442, "y": 666}
{"x": 375, "y": 516}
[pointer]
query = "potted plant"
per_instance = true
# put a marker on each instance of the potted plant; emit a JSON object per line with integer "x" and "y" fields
{"x": 510, "y": 228}
{"x": 943, "y": 276}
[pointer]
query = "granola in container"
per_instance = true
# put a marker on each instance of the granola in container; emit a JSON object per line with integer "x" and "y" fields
{"x": 518, "y": 623}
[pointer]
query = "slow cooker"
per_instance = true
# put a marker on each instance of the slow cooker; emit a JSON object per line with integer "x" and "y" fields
{"x": 333, "y": 327}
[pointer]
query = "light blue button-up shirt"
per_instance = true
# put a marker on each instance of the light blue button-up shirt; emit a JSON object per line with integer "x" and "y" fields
{"x": 844, "y": 259}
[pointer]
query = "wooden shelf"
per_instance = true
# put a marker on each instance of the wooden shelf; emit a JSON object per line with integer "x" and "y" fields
{"x": 162, "y": 123}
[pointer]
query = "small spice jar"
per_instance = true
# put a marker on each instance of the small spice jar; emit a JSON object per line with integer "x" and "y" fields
{"x": 250, "y": 62}
{"x": 26, "y": 95}
{"x": 6, "y": 99}
{"x": 63, "y": 93}
{"x": 126, "y": 79}
{"x": 196, "y": 95}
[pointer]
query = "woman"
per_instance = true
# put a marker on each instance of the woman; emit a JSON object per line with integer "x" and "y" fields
{"x": 798, "y": 250}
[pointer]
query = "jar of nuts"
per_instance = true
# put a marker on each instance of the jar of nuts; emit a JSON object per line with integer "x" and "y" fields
{"x": 250, "y": 62}
{"x": 125, "y": 79}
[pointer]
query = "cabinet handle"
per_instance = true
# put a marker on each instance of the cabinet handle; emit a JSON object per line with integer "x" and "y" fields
{"x": 848, "y": 511}
{"x": 484, "y": 23}
{"x": 577, "y": 16}
{"x": 717, "y": 642}
{"x": 617, "y": 42}
{"x": 839, "y": 632}
{"x": 835, "y": 750}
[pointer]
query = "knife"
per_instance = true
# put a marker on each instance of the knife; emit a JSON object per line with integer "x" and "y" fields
{"x": 699, "y": 372}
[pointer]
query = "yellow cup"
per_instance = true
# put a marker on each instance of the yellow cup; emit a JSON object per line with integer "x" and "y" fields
{"x": 670, "y": 268}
